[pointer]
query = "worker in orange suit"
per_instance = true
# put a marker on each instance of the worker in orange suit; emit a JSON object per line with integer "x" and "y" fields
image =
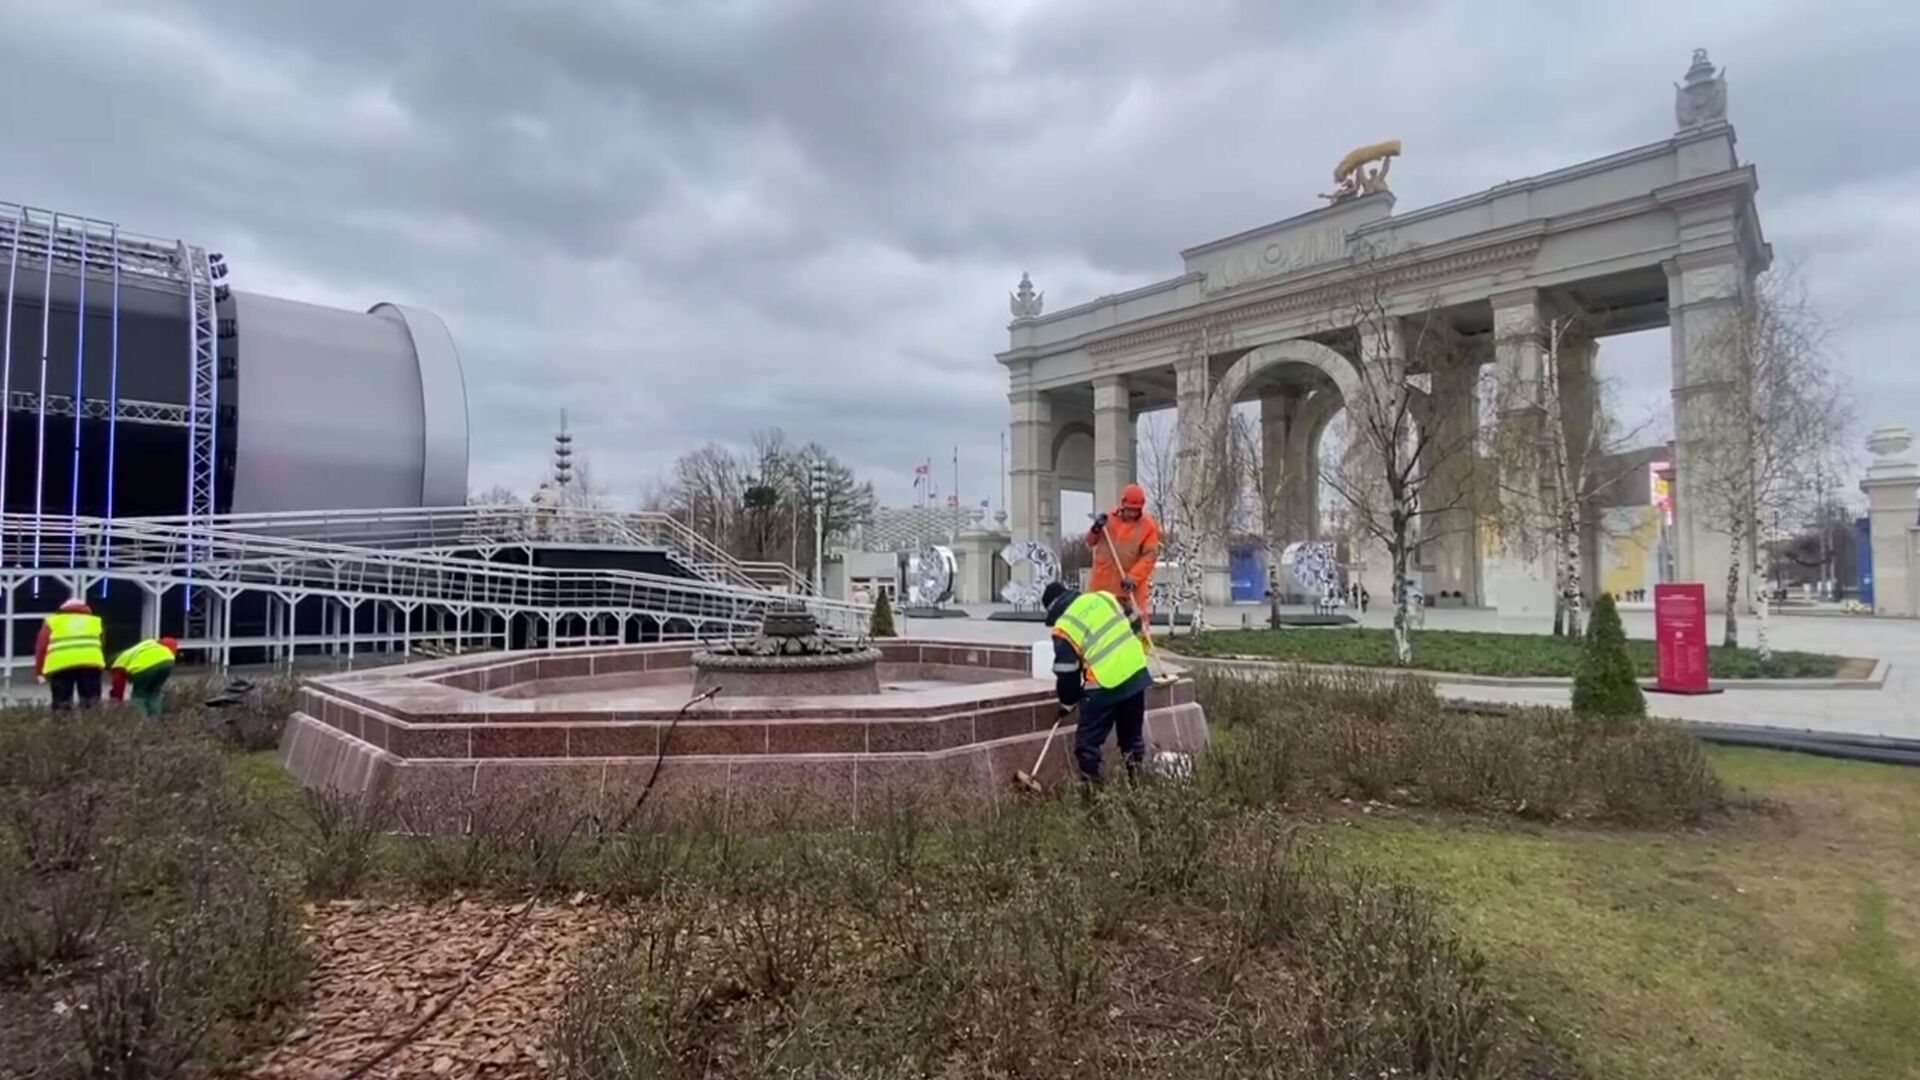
{"x": 1135, "y": 540}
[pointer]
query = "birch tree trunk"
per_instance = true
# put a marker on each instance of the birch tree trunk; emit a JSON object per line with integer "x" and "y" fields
{"x": 1402, "y": 620}
{"x": 1762, "y": 644}
{"x": 1733, "y": 593}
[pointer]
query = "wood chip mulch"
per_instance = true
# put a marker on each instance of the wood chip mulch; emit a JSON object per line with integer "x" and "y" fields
{"x": 379, "y": 966}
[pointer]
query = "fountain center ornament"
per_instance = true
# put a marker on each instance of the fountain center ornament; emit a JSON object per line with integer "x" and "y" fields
{"x": 789, "y": 657}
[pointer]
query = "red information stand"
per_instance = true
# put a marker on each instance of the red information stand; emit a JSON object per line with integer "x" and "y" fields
{"x": 1680, "y": 636}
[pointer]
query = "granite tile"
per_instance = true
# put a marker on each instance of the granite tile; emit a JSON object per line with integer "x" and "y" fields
{"x": 563, "y": 785}
{"x": 706, "y": 737}
{"x": 413, "y": 742}
{"x": 1002, "y": 721}
{"x": 811, "y": 737}
{"x": 612, "y": 740}
{"x": 618, "y": 663}
{"x": 685, "y": 792}
{"x": 953, "y": 783}
{"x": 519, "y": 741}
{"x": 903, "y": 735}
{"x": 899, "y": 652}
{"x": 374, "y": 730}
{"x": 791, "y": 791}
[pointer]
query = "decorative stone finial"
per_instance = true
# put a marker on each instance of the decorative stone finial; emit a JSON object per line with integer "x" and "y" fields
{"x": 1026, "y": 303}
{"x": 1702, "y": 98}
{"x": 1890, "y": 441}
{"x": 1892, "y": 449}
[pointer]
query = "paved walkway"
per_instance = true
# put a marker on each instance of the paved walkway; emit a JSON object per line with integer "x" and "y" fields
{"x": 1892, "y": 711}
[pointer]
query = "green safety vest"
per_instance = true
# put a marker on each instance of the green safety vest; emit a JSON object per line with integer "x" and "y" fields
{"x": 143, "y": 657}
{"x": 1099, "y": 630}
{"x": 73, "y": 641}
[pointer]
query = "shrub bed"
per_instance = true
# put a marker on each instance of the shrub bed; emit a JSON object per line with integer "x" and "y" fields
{"x": 1161, "y": 933}
{"x": 1295, "y": 734}
{"x": 1475, "y": 653}
{"x": 145, "y": 914}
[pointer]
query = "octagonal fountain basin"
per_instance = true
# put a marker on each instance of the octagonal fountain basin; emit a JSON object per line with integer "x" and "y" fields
{"x": 945, "y": 727}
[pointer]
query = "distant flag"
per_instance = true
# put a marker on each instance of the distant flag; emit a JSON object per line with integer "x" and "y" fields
{"x": 983, "y": 504}
{"x": 953, "y": 502}
{"x": 920, "y": 470}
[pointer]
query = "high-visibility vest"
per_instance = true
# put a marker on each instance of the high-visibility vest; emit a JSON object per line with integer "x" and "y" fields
{"x": 1098, "y": 629}
{"x": 143, "y": 657}
{"x": 73, "y": 641}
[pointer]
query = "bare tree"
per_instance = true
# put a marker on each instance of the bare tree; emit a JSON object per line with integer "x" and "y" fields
{"x": 759, "y": 505}
{"x": 1266, "y": 505}
{"x": 1395, "y": 447}
{"x": 497, "y": 495}
{"x": 1774, "y": 431}
{"x": 1554, "y": 447}
{"x": 587, "y": 492}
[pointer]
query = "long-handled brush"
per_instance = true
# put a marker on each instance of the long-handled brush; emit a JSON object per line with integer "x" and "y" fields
{"x": 1160, "y": 677}
{"x": 1031, "y": 780}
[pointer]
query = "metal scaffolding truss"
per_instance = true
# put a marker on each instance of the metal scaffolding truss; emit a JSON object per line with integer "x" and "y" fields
{"x": 428, "y": 576}
{"x": 77, "y": 241}
{"x": 160, "y": 413}
{"x": 203, "y": 389}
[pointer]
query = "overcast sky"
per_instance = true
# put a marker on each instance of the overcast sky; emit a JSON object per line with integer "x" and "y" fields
{"x": 684, "y": 221}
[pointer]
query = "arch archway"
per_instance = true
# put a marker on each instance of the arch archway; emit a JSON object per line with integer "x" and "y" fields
{"x": 1296, "y": 352}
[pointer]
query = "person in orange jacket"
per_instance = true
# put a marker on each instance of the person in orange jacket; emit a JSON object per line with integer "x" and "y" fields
{"x": 1135, "y": 539}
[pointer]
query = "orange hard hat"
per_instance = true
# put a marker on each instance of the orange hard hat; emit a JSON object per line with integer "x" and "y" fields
{"x": 1133, "y": 495}
{"x": 75, "y": 604}
{"x": 172, "y": 644}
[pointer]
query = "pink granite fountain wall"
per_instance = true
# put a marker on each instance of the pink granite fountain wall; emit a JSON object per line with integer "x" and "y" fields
{"x": 588, "y": 724}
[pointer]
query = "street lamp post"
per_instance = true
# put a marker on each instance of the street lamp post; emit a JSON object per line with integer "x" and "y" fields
{"x": 817, "y": 484}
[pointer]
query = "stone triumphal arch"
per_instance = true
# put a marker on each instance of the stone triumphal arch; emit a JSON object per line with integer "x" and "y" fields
{"x": 1664, "y": 234}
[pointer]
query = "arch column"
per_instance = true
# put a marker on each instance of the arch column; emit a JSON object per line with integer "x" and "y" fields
{"x": 1112, "y": 439}
{"x": 1518, "y": 575}
{"x": 1035, "y": 491}
{"x": 1454, "y": 552}
{"x": 1200, "y": 422}
{"x": 1704, "y": 294}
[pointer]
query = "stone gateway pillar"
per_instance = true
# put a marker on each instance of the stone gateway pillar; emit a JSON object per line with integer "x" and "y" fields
{"x": 1112, "y": 439}
{"x": 1892, "y": 487}
{"x": 1036, "y": 491}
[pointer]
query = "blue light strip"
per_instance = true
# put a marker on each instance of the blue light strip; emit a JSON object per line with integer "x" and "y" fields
{"x": 40, "y": 454}
{"x": 6, "y": 360}
{"x": 79, "y": 397}
{"x": 113, "y": 404}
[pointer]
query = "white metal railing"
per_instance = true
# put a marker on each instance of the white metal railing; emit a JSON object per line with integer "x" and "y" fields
{"x": 456, "y": 528}
{"x": 374, "y": 556}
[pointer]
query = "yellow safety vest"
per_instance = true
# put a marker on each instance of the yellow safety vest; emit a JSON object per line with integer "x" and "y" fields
{"x": 1099, "y": 630}
{"x": 143, "y": 657}
{"x": 73, "y": 641}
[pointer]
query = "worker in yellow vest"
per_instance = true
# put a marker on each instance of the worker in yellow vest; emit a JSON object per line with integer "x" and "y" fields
{"x": 68, "y": 655}
{"x": 1099, "y": 665}
{"x": 145, "y": 668}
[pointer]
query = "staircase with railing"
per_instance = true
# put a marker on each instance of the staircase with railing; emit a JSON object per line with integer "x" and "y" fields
{"x": 406, "y": 560}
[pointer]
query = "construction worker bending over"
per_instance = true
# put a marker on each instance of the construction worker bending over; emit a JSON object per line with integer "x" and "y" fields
{"x": 1099, "y": 664}
{"x": 1125, "y": 545}
{"x": 145, "y": 668}
{"x": 68, "y": 655}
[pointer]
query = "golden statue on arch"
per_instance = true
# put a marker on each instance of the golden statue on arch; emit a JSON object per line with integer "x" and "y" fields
{"x": 1353, "y": 177}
